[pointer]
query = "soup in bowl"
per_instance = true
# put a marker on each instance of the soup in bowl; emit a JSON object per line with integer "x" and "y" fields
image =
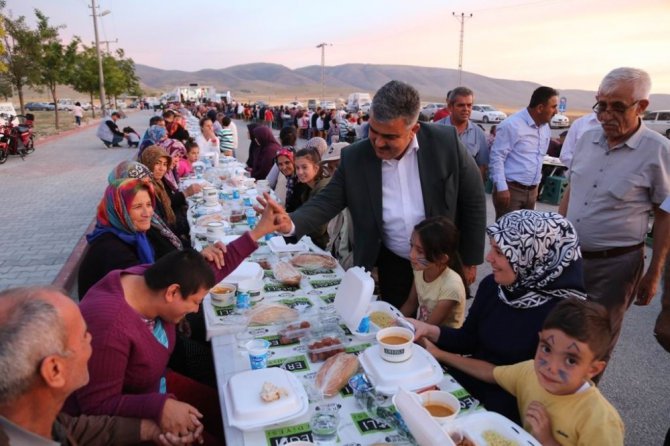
{"x": 395, "y": 344}
{"x": 441, "y": 405}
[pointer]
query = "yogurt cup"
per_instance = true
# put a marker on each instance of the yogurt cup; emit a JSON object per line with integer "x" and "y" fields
{"x": 258, "y": 353}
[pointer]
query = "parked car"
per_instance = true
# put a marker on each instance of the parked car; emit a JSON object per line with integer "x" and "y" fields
{"x": 365, "y": 108}
{"x": 38, "y": 106}
{"x": 429, "y": 110}
{"x": 486, "y": 113}
{"x": 658, "y": 121}
{"x": 559, "y": 121}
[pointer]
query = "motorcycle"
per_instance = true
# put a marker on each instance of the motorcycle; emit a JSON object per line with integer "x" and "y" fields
{"x": 17, "y": 139}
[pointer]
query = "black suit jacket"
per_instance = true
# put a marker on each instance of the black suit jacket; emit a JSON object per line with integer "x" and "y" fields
{"x": 451, "y": 186}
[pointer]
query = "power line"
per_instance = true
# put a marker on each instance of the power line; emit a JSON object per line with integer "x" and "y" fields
{"x": 461, "y": 18}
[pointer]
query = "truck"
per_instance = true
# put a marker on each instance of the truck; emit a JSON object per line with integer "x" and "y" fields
{"x": 356, "y": 100}
{"x": 192, "y": 93}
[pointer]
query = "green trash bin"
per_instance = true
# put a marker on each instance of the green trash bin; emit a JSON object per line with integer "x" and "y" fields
{"x": 553, "y": 190}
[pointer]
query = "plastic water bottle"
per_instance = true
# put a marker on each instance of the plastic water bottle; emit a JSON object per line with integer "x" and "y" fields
{"x": 251, "y": 218}
{"x": 364, "y": 325}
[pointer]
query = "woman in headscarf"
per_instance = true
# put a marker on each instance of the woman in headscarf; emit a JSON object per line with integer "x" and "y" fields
{"x": 319, "y": 144}
{"x": 536, "y": 263}
{"x": 287, "y": 138}
{"x": 170, "y": 203}
{"x": 178, "y": 152}
{"x": 155, "y": 134}
{"x": 266, "y": 153}
{"x": 253, "y": 146}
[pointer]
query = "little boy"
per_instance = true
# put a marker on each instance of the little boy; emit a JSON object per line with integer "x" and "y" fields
{"x": 559, "y": 403}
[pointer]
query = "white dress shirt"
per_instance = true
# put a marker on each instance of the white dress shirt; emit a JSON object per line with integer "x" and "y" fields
{"x": 402, "y": 200}
{"x": 518, "y": 151}
{"x": 577, "y": 129}
{"x": 208, "y": 149}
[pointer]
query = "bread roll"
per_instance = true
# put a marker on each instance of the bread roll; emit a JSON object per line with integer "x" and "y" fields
{"x": 314, "y": 260}
{"x": 265, "y": 314}
{"x": 335, "y": 373}
{"x": 286, "y": 273}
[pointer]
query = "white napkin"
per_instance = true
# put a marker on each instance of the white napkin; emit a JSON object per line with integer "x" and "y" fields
{"x": 278, "y": 244}
{"x": 426, "y": 431}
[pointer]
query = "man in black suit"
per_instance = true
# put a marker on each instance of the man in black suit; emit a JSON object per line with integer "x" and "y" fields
{"x": 405, "y": 172}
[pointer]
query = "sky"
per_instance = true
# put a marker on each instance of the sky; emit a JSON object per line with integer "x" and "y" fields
{"x": 560, "y": 43}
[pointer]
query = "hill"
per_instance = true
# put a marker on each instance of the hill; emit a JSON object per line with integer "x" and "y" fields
{"x": 276, "y": 82}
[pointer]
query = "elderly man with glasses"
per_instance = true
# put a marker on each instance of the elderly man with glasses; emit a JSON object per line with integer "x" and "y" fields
{"x": 619, "y": 174}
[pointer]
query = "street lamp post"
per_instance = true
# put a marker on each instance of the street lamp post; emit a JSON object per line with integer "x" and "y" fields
{"x": 323, "y": 65}
{"x": 97, "y": 50}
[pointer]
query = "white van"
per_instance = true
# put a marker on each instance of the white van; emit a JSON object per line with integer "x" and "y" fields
{"x": 66, "y": 104}
{"x": 355, "y": 101}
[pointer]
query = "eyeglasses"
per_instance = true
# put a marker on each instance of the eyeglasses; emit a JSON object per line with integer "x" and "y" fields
{"x": 617, "y": 108}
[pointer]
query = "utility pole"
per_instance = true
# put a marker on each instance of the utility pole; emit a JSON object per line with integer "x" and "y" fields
{"x": 461, "y": 18}
{"x": 107, "y": 42}
{"x": 95, "y": 15}
{"x": 323, "y": 65}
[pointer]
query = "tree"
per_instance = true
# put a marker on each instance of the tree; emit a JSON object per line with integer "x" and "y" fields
{"x": 120, "y": 75}
{"x": 20, "y": 52}
{"x": 54, "y": 62}
{"x": 85, "y": 76}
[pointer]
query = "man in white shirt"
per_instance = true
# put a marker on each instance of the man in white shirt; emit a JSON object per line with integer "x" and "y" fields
{"x": 403, "y": 173}
{"x": 577, "y": 129}
{"x": 619, "y": 174}
{"x": 517, "y": 153}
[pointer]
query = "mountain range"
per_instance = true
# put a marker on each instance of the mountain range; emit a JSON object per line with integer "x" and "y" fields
{"x": 275, "y": 82}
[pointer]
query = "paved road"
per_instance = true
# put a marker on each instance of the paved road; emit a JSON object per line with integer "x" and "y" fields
{"x": 48, "y": 201}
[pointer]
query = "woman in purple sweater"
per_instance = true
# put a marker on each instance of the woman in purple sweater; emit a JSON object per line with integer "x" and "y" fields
{"x": 131, "y": 315}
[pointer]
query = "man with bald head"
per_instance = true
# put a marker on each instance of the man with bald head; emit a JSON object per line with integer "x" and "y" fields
{"x": 44, "y": 350}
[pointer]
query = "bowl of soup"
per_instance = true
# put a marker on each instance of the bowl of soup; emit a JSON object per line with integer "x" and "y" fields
{"x": 223, "y": 294}
{"x": 395, "y": 344}
{"x": 441, "y": 405}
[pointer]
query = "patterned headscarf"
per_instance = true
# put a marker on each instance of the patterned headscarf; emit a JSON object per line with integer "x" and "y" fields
{"x": 543, "y": 250}
{"x": 173, "y": 147}
{"x": 149, "y": 158}
{"x": 156, "y": 132}
{"x": 319, "y": 144}
{"x": 128, "y": 169}
{"x": 133, "y": 169}
{"x": 113, "y": 216}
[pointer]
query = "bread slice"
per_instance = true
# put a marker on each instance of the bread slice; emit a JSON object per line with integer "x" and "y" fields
{"x": 335, "y": 373}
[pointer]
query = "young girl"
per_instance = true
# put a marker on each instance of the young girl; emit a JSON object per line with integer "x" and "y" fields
{"x": 310, "y": 172}
{"x": 438, "y": 293}
{"x": 185, "y": 166}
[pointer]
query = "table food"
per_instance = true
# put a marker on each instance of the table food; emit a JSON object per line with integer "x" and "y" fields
{"x": 395, "y": 344}
{"x": 293, "y": 332}
{"x": 493, "y": 438}
{"x": 324, "y": 349}
{"x": 438, "y": 410}
{"x": 271, "y": 313}
{"x": 211, "y": 218}
{"x": 382, "y": 319}
{"x": 335, "y": 373}
{"x": 314, "y": 261}
{"x": 223, "y": 294}
{"x": 270, "y": 392}
{"x": 286, "y": 273}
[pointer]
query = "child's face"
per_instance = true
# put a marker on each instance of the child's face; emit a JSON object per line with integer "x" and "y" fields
{"x": 563, "y": 364}
{"x": 194, "y": 154}
{"x": 416, "y": 254}
{"x": 305, "y": 169}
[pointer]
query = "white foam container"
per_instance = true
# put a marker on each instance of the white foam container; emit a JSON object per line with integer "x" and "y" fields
{"x": 475, "y": 424}
{"x": 353, "y": 297}
{"x": 248, "y": 412}
{"x": 418, "y": 372}
{"x": 246, "y": 271}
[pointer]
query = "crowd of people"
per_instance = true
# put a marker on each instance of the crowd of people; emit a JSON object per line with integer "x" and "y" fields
{"x": 389, "y": 192}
